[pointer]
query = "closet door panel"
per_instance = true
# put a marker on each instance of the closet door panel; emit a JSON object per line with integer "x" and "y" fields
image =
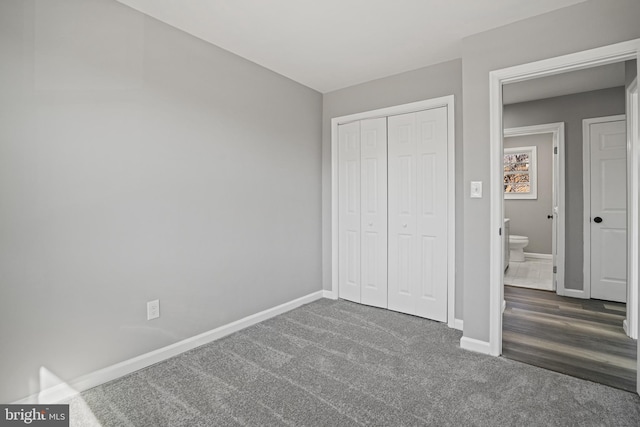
{"x": 418, "y": 213}
{"x": 431, "y": 225}
{"x": 373, "y": 156}
{"x": 349, "y": 220}
{"x": 402, "y": 212}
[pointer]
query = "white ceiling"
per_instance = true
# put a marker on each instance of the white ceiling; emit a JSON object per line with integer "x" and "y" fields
{"x": 331, "y": 44}
{"x": 603, "y": 77}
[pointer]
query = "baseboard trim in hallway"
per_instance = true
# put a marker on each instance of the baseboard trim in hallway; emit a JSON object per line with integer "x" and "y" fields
{"x": 66, "y": 390}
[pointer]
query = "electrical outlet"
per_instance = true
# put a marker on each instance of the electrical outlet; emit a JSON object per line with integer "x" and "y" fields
{"x": 153, "y": 309}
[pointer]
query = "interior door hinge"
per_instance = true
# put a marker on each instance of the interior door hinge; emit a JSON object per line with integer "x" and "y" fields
{"x": 500, "y": 231}
{"x": 555, "y": 269}
{"x": 555, "y": 150}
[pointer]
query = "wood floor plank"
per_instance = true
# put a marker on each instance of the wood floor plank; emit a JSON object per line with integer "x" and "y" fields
{"x": 613, "y": 377}
{"x": 545, "y": 321}
{"x": 583, "y": 338}
{"x": 612, "y": 319}
{"x": 615, "y": 307}
{"x": 571, "y": 338}
{"x": 577, "y": 351}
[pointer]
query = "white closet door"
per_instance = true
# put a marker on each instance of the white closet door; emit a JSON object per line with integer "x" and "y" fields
{"x": 349, "y": 211}
{"x": 431, "y": 130}
{"x": 402, "y": 212}
{"x": 373, "y": 178}
{"x": 418, "y": 213}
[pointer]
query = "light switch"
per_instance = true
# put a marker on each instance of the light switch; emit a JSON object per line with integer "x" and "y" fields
{"x": 476, "y": 189}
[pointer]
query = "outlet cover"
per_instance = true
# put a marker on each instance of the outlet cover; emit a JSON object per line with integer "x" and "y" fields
{"x": 153, "y": 309}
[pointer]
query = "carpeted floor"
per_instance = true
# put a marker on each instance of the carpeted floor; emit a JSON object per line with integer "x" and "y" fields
{"x": 335, "y": 363}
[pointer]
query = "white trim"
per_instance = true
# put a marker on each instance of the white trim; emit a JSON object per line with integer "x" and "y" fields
{"x": 329, "y": 295}
{"x": 586, "y": 196}
{"x": 472, "y": 344}
{"x": 633, "y": 176}
{"x": 586, "y": 59}
{"x": 451, "y": 209}
{"x": 445, "y": 101}
{"x": 496, "y": 217}
{"x": 63, "y": 391}
{"x": 458, "y": 324}
{"x": 534, "y": 255}
{"x": 575, "y": 293}
{"x": 558, "y": 229}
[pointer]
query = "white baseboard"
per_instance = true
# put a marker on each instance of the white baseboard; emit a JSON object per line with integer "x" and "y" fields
{"x": 64, "y": 391}
{"x": 329, "y": 294}
{"x": 537, "y": 256}
{"x": 573, "y": 293}
{"x": 472, "y": 344}
{"x": 458, "y": 324}
{"x": 540, "y": 288}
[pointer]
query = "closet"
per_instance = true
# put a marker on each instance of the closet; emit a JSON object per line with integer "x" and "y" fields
{"x": 392, "y": 212}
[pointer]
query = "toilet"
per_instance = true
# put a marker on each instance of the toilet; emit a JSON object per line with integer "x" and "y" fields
{"x": 516, "y": 247}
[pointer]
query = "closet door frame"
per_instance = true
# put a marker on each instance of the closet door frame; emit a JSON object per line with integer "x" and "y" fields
{"x": 445, "y": 101}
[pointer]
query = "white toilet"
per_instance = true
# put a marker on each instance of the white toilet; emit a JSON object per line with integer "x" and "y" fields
{"x": 516, "y": 247}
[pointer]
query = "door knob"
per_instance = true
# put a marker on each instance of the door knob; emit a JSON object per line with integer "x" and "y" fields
{"x": 597, "y": 220}
{"x": 549, "y": 216}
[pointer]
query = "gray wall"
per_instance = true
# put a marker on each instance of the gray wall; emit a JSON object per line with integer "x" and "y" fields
{"x": 529, "y": 216}
{"x": 571, "y": 110}
{"x": 583, "y": 26}
{"x": 425, "y": 83}
{"x": 138, "y": 162}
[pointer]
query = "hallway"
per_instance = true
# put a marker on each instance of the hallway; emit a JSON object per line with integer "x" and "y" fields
{"x": 582, "y": 338}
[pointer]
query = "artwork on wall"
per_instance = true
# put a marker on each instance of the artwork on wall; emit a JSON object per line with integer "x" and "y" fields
{"x": 520, "y": 180}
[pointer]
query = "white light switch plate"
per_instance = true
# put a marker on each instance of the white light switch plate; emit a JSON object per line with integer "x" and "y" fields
{"x": 153, "y": 309}
{"x": 476, "y": 189}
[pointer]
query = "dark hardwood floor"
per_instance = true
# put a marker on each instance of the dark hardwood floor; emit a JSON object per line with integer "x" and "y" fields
{"x": 582, "y": 338}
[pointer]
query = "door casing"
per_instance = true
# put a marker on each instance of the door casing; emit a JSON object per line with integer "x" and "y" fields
{"x": 631, "y": 324}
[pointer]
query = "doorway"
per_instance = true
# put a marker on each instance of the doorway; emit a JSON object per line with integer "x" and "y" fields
{"x": 539, "y": 214}
{"x": 582, "y": 60}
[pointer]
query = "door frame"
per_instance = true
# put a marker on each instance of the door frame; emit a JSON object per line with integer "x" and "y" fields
{"x": 445, "y": 101}
{"x": 631, "y": 324}
{"x": 586, "y": 197}
{"x": 558, "y": 189}
{"x": 576, "y": 61}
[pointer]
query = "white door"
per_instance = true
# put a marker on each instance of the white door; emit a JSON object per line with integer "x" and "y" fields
{"x": 349, "y": 211}
{"x": 417, "y": 168}
{"x": 362, "y": 207}
{"x": 373, "y": 178}
{"x": 608, "y": 148}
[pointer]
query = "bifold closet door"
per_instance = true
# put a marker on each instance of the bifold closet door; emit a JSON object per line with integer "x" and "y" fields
{"x": 362, "y": 210}
{"x": 417, "y": 197}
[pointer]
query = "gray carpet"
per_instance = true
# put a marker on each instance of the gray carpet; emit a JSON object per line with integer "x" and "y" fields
{"x": 335, "y": 363}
